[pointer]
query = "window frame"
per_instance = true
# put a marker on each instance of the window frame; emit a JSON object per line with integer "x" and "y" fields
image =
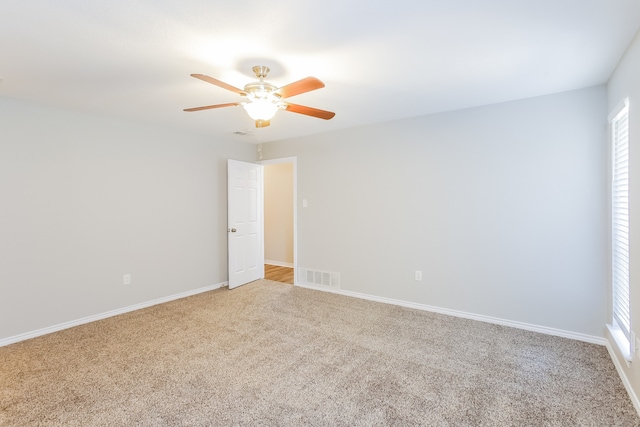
{"x": 620, "y": 327}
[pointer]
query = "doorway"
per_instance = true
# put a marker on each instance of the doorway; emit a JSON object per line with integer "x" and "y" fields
{"x": 280, "y": 219}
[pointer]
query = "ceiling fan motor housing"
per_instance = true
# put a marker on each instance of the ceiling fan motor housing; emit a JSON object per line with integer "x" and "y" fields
{"x": 261, "y": 89}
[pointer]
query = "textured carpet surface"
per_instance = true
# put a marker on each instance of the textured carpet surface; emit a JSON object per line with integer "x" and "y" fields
{"x": 273, "y": 354}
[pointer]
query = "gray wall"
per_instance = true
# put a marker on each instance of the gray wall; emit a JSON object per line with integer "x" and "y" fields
{"x": 625, "y": 83}
{"x": 503, "y": 208}
{"x": 86, "y": 199}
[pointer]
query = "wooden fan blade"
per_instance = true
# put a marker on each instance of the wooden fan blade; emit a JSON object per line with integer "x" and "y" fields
{"x": 308, "y": 111}
{"x": 301, "y": 86}
{"x": 217, "y": 82}
{"x": 208, "y": 107}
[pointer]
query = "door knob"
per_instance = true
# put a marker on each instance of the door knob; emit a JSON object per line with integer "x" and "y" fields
{"x": 231, "y": 230}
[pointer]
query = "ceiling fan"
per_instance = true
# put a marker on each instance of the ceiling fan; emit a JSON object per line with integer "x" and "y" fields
{"x": 263, "y": 100}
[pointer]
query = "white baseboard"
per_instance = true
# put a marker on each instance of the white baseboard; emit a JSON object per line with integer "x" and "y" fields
{"x": 278, "y": 263}
{"x": 88, "y": 319}
{"x": 535, "y": 328}
{"x": 487, "y": 319}
{"x": 623, "y": 377}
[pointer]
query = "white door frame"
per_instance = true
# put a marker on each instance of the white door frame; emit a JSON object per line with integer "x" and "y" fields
{"x": 293, "y": 160}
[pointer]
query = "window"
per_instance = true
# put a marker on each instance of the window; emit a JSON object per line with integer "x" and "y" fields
{"x": 620, "y": 221}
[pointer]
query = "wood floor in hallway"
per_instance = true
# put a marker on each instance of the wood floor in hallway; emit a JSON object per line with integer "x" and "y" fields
{"x": 278, "y": 274}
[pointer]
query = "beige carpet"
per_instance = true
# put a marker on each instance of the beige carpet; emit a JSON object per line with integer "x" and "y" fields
{"x": 273, "y": 354}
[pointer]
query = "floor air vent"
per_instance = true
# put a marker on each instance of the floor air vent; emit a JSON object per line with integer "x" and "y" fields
{"x": 319, "y": 278}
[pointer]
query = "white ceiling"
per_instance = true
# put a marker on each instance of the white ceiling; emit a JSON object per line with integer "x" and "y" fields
{"x": 380, "y": 60}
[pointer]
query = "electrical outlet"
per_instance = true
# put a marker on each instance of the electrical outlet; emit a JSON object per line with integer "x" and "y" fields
{"x": 418, "y": 275}
{"x": 127, "y": 279}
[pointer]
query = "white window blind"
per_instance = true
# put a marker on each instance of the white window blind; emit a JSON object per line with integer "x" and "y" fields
{"x": 620, "y": 219}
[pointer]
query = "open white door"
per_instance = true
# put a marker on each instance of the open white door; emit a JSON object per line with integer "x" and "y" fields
{"x": 245, "y": 231}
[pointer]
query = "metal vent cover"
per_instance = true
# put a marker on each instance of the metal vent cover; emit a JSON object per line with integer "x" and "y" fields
{"x": 325, "y": 279}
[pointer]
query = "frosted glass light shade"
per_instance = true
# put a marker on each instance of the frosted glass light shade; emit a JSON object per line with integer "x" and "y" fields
{"x": 261, "y": 109}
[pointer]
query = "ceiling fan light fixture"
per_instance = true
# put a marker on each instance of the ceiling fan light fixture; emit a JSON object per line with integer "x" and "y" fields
{"x": 261, "y": 109}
